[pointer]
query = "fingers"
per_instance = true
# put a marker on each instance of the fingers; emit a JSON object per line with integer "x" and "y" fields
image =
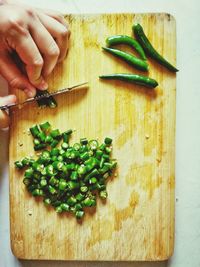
{"x": 55, "y": 15}
{"x": 47, "y": 46}
{"x": 15, "y": 78}
{"x": 4, "y": 118}
{"x": 30, "y": 55}
{"x": 60, "y": 33}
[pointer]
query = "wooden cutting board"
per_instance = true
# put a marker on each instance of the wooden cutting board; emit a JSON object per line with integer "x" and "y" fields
{"x": 137, "y": 222}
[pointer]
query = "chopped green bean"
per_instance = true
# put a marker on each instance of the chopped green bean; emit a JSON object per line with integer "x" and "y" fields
{"x": 68, "y": 177}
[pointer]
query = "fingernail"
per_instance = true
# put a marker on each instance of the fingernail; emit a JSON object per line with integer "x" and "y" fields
{"x": 29, "y": 93}
{"x": 43, "y": 85}
{"x": 9, "y": 99}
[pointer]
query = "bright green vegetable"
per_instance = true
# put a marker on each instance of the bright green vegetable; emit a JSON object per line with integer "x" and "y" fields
{"x": 124, "y": 39}
{"x": 131, "y": 78}
{"x": 67, "y": 177}
{"x": 129, "y": 58}
{"x": 149, "y": 49}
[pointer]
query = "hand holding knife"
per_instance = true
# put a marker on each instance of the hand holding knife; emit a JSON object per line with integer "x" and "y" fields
{"x": 32, "y": 99}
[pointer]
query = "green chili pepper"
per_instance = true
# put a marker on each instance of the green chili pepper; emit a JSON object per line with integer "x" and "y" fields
{"x": 149, "y": 49}
{"x": 129, "y": 58}
{"x": 131, "y": 78}
{"x": 124, "y": 39}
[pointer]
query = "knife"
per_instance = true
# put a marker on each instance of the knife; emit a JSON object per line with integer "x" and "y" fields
{"x": 32, "y": 99}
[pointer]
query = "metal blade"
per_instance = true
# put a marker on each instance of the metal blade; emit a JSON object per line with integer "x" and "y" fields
{"x": 29, "y": 100}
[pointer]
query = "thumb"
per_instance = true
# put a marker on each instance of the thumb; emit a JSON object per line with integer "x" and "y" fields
{"x": 4, "y": 118}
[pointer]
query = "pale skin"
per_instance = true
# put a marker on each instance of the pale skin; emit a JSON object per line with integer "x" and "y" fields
{"x": 40, "y": 39}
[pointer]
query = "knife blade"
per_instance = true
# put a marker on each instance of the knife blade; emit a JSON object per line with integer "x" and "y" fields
{"x": 32, "y": 99}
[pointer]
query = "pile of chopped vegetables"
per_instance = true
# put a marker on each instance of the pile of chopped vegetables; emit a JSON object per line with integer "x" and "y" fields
{"x": 68, "y": 177}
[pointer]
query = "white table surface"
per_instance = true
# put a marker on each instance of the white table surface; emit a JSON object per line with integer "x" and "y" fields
{"x": 187, "y": 244}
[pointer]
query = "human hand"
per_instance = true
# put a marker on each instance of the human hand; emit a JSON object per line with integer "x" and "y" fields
{"x": 40, "y": 38}
{"x": 6, "y": 100}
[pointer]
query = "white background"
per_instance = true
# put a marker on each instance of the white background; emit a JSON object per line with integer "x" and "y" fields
{"x": 187, "y": 245}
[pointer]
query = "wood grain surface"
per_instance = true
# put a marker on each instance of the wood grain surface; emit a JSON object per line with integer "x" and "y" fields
{"x": 137, "y": 222}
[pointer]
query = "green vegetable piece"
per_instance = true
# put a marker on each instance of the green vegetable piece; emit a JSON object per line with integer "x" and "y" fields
{"x": 54, "y": 152}
{"x": 57, "y": 165}
{"x": 28, "y": 173}
{"x": 79, "y": 197}
{"x": 74, "y": 176}
{"x": 149, "y": 49}
{"x": 48, "y": 101}
{"x": 93, "y": 144}
{"x": 39, "y": 147}
{"x": 42, "y": 137}
{"x": 132, "y": 78}
{"x": 84, "y": 156}
{"x": 76, "y": 146}
{"x": 65, "y": 170}
{"x": 45, "y": 157}
{"x": 26, "y": 181}
{"x": 19, "y": 164}
{"x": 34, "y": 130}
{"x": 47, "y": 201}
{"x": 79, "y": 214}
{"x": 62, "y": 184}
{"x": 64, "y": 206}
{"x": 83, "y": 141}
{"x": 64, "y": 145}
{"x": 78, "y": 206}
{"x": 50, "y": 170}
{"x": 54, "y": 143}
{"x": 89, "y": 202}
{"x": 25, "y": 161}
{"x": 73, "y": 185}
{"x": 52, "y": 190}
{"x": 129, "y": 58}
{"x": 45, "y": 126}
{"x": 43, "y": 183}
{"x": 53, "y": 181}
{"x": 71, "y": 201}
{"x": 83, "y": 189}
{"x": 103, "y": 194}
{"x": 108, "y": 141}
{"x": 108, "y": 150}
{"x": 55, "y": 133}
{"x": 66, "y": 135}
{"x": 48, "y": 139}
{"x": 37, "y": 192}
{"x": 59, "y": 209}
{"x": 93, "y": 180}
{"x": 36, "y": 141}
{"x": 82, "y": 169}
{"x": 98, "y": 154}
